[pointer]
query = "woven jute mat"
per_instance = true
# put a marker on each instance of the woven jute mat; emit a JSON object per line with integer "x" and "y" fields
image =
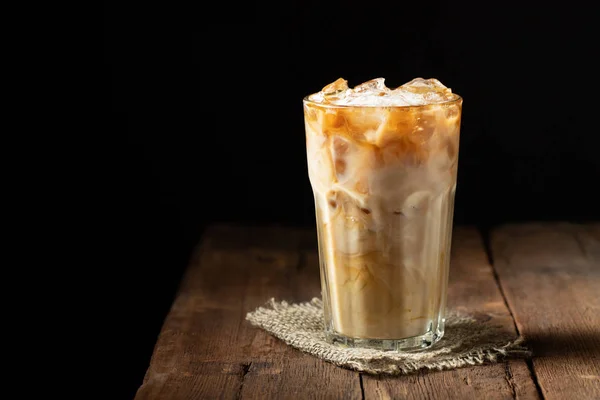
{"x": 466, "y": 341}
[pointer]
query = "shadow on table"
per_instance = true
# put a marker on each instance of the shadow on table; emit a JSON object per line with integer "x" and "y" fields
{"x": 575, "y": 344}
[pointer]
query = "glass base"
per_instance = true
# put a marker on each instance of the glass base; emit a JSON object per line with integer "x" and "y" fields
{"x": 414, "y": 343}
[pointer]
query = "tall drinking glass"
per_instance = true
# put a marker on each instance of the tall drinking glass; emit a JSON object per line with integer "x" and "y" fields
{"x": 382, "y": 165}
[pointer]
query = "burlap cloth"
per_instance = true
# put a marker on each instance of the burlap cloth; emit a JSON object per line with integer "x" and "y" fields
{"x": 466, "y": 341}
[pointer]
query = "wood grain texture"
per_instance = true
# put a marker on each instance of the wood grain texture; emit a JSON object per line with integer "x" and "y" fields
{"x": 472, "y": 289}
{"x": 550, "y": 274}
{"x": 510, "y": 380}
{"x": 207, "y": 350}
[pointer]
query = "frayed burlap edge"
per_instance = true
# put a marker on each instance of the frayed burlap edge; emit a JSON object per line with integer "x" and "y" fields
{"x": 466, "y": 341}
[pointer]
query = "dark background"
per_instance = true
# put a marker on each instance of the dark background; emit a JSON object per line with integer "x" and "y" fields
{"x": 204, "y": 122}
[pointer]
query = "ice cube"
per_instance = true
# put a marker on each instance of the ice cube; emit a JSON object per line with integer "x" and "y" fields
{"x": 339, "y": 149}
{"x": 421, "y": 91}
{"x": 416, "y": 204}
{"x": 335, "y": 90}
{"x": 420, "y": 85}
{"x": 374, "y": 86}
{"x": 374, "y": 93}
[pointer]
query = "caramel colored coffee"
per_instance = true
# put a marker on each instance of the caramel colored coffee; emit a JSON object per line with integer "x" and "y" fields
{"x": 382, "y": 164}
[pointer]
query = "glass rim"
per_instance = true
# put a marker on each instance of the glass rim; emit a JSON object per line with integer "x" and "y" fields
{"x": 308, "y": 101}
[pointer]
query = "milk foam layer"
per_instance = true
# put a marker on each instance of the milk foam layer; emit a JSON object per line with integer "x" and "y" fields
{"x": 382, "y": 164}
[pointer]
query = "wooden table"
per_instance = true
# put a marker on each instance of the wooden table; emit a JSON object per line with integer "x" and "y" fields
{"x": 541, "y": 280}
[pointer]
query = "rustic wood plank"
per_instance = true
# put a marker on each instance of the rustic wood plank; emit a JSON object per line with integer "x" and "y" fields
{"x": 472, "y": 288}
{"x": 298, "y": 376}
{"x": 206, "y": 349}
{"x": 550, "y": 274}
{"x": 292, "y": 374}
{"x": 510, "y": 380}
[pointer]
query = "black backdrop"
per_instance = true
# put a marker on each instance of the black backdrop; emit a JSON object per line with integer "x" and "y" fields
{"x": 204, "y": 121}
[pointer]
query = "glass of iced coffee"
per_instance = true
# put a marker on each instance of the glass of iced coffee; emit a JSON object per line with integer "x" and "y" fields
{"x": 382, "y": 165}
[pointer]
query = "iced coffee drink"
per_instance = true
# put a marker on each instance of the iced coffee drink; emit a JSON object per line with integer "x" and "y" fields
{"x": 382, "y": 163}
